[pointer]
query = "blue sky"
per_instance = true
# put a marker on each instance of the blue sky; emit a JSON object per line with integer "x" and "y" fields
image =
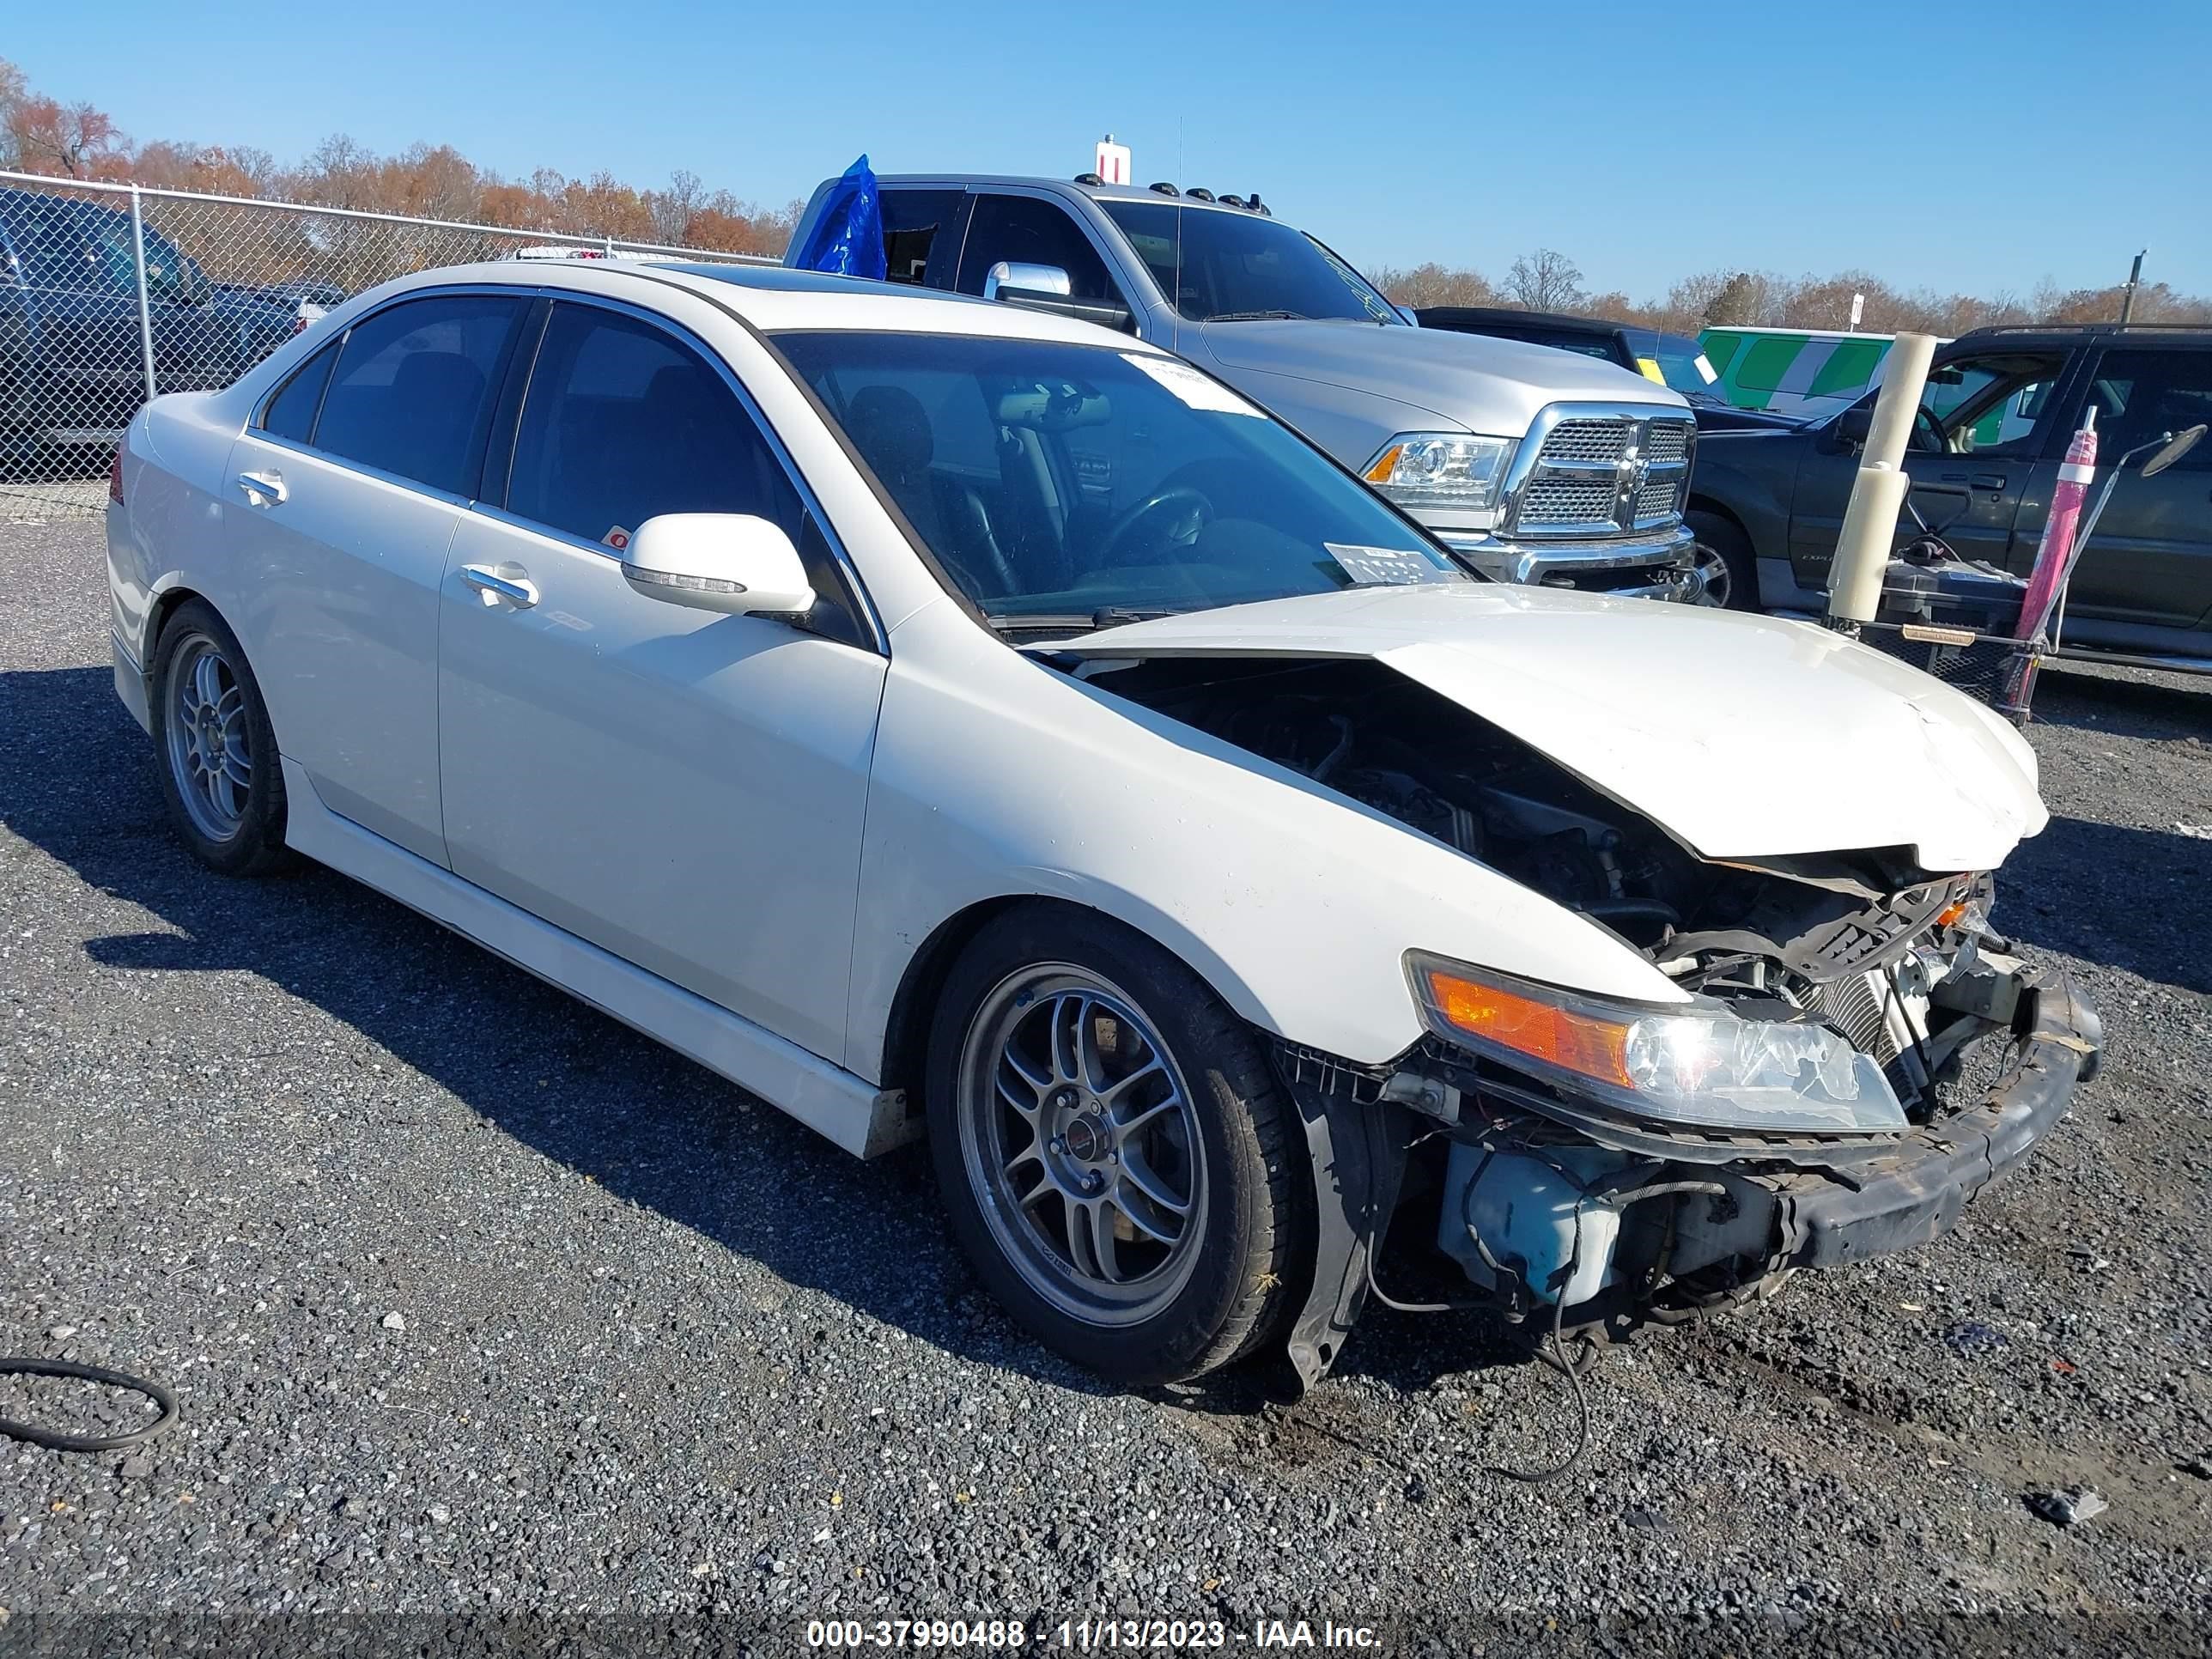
{"x": 2018, "y": 139}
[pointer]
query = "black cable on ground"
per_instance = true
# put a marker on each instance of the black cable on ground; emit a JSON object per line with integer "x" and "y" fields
{"x": 52, "y": 1439}
{"x": 1539, "y": 1477}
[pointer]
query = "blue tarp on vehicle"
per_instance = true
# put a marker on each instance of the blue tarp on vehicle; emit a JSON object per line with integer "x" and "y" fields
{"x": 848, "y": 239}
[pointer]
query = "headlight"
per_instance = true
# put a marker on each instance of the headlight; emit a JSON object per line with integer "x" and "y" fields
{"x": 1440, "y": 468}
{"x": 1699, "y": 1066}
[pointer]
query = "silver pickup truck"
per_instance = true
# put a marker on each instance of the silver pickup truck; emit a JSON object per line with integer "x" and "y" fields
{"x": 1537, "y": 465}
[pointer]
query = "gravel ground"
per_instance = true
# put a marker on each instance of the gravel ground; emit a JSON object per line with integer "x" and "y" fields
{"x": 476, "y": 1301}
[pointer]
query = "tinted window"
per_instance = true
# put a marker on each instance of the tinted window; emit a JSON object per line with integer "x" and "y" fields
{"x": 50, "y": 254}
{"x": 1217, "y": 264}
{"x": 2141, "y": 396}
{"x": 912, "y": 219}
{"x": 623, "y": 422}
{"x": 1990, "y": 405}
{"x": 1053, "y": 480}
{"x": 415, "y": 385}
{"x": 114, "y": 258}
{"x": 292, "y": 411}
{"x": 1027, "y": 229}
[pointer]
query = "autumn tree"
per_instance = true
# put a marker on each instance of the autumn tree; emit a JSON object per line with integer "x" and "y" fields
{"x": 1432, "y": 284}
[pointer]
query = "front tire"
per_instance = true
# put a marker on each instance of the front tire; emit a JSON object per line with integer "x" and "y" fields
{"x": 1732, "y": 581}
{"x": 1115, "y": 1152}
{"x": 219, "y": 773}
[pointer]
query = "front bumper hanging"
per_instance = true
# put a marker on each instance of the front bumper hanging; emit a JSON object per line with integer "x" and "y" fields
{"x": 1828, "y": 1221}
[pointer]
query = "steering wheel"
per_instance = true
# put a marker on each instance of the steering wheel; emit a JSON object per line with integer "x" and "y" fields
{"x": 1188, "y": 497}
{"x": 1927, "y": 432}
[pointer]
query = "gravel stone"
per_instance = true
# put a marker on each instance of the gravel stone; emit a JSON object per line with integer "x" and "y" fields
{"x": 648, "y": 1330}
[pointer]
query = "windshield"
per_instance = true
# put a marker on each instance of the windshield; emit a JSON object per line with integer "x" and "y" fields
{"x": 1071, "y": 481}
{"x": 1218, "y": 266}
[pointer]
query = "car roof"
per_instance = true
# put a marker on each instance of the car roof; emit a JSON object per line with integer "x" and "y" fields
{"x": 2027, "y": 334}
{"x": 1064, "y": 187}
{"x": 771, "y": 298}
{"x": 1515, "y": 317}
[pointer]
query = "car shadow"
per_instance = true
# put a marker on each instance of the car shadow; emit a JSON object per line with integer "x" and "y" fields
{"x": 2139, "y": 900}
{"x": 77, "y": 780}
{"x": 2172, "y": 705}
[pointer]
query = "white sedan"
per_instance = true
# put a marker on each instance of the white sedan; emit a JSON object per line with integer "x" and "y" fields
{"x": 941, "y": 717}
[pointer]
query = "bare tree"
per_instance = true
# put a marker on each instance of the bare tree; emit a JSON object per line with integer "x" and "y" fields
{"x": 672, "y": 207}
{"x": 1545, "y": 280}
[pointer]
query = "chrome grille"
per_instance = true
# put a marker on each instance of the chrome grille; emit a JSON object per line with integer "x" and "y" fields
{"x": 1656, "y": 500}
{"x": 1601, "y": 471}
{"x": 1567, "y": 501}
{"x": 1588, "y": 441}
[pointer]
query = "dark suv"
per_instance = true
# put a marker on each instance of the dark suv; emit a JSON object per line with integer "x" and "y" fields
{"x": 72, "y": 352}
{"x": 1995, "y": 421}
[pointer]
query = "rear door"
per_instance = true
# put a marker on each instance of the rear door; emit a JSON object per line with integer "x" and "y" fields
{"x": 1982, "y": 463}
{"x": 2150, "y": 559}
{"x": 342, "y": 501}
{"x": 922, "y": 227}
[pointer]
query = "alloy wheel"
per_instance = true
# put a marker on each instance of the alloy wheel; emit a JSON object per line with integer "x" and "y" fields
{"x": 1081, "y": 1142}
{"x": 210, "y": 753}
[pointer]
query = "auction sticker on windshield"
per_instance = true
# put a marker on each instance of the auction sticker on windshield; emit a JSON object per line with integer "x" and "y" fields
{"x": 1394, "y": 567}
{"x": 1192, "y": 387}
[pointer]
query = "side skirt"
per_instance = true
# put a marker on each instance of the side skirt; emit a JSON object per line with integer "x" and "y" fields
{"x": 851, "y": 1111}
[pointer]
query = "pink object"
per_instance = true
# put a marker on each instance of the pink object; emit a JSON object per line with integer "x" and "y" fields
{"x": 2054, "y": 554}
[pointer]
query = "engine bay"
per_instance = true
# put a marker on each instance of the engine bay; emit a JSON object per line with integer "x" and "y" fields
{"x": 1832, "y": 939}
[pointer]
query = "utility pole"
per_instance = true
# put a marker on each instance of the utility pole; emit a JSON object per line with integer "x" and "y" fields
{"x": 2128, "y": 297}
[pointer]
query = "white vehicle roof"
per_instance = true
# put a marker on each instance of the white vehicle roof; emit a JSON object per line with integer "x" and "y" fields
{"x": 770, "y": 298}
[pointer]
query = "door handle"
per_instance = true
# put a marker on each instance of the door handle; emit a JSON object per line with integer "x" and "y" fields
{"x": 270, "y": 486}
{"x": 1995, "y": 481}
{"x": 517, "y": 590}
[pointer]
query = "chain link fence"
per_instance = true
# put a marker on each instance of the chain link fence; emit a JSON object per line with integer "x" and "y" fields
{"x": 110, "y": 295}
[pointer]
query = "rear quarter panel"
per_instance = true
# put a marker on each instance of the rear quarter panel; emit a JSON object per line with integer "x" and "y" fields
{"x": 169, "y": 534}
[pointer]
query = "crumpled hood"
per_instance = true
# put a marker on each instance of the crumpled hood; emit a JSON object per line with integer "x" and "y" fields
{"x": 1471, "y": 381}
{"x": 1744, "y": 736}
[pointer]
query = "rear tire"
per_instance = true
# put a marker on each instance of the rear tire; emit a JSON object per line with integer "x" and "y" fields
{"x": 216, "y": 753}
{"x": 1732, "y": 555}
{"x": 1115, "y": 1154}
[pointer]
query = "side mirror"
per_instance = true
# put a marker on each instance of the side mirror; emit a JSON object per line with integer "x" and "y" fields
{"x": 730, "y": 562}
{"x": 1851, "y": 428}
{"x": 2176, "y": 446}
{"x": 1407, "y": 315}
{"x": 1047, "y": 288}
{"x": 1032, "y": 281}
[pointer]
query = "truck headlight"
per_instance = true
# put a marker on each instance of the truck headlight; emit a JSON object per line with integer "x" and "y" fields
{"x": 1440, "y": 468}
{"x": 1695, "y": 1064}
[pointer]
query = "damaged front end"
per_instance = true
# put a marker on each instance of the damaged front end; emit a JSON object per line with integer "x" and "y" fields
{"x": 1857, "y": 1054}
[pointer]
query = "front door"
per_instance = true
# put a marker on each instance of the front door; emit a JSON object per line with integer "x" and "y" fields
{"x": 1980, "y": 460}
{"x": 340, "y": 506}
{"x": 2150, "y": 561}
{"x": 681, "y": 788}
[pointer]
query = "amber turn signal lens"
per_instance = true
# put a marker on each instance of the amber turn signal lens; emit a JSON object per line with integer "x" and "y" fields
{"x": 1559, "y": 1036}
{"x": 1949, "y": 914}
{"x": 1386, "y": 464}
